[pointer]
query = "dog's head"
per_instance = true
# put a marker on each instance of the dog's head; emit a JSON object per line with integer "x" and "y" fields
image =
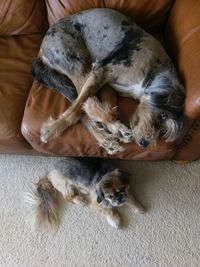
{"x": 160, "y": 112}
{"x": 113, "y": 188}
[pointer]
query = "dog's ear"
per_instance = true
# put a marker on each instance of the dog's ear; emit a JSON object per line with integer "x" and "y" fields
{"x": 134, "y": 119}
{"x": 173, "y": 102}
{"x": 174, "y": 128}
{"x": 124, "y": 176}
{"x": 100, "y": 194}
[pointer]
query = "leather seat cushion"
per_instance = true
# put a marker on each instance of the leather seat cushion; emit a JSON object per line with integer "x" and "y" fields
{"x": 76, "y": 140}
{"x": 16, "y": 55}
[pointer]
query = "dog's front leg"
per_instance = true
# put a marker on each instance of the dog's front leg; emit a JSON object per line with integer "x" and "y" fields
{"x": 111, "y": 215}
{"x": 106, "y": 115}
{"x": 134, "y": 204}
{"x": 53, "y": 128}
{"x": 104, "y": 138}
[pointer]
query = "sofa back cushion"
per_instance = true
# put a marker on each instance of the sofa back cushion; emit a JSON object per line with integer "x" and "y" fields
{"x": 19, "y": 17}
{"x": 150, "y": 14}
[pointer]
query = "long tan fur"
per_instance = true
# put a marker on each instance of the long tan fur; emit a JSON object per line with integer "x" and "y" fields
{"x": 46, "y": 205}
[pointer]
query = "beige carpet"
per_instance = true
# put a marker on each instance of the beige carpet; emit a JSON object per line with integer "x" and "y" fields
{"x": 167, "y": 235}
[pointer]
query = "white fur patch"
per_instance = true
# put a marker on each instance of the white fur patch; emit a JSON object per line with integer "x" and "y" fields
{"x": 114, "y": 221}
{"x": 59, "y": 181}
{"x": 134, "y": 90}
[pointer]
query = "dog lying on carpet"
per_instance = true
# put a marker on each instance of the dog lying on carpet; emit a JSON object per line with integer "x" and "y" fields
{"x": 82, "y": 180}
{"x": 102, "y": 46}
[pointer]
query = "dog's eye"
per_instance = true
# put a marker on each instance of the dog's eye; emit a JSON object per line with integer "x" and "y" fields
{"x": 164, "y": 116}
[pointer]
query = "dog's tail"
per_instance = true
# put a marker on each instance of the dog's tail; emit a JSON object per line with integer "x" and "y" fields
{"x": 45, "y": 200}
{"x": 54, "y": 79}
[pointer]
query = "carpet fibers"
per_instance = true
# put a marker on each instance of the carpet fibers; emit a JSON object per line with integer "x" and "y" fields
{"x": 167, "y": 235}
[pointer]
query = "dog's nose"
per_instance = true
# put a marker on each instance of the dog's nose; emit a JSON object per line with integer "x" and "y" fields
{"x": 143, "y": 142}
{"x": 119, "y": 198}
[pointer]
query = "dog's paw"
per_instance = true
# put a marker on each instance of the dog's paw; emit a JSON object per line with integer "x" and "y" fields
{"x": 111, "y": 146}
{"x": 114, "y": 220}
{"x": 51, "y": 129}
{"x": 138, "y": 208}
{"x": 121, "y": 131}
{"x": 125, "y": 134}
{"x": 81, "y": 200}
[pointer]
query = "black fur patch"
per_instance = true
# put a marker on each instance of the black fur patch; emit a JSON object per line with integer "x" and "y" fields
{"x": 100, "y": 195}
{"x": 108, "y": 184}
{"x": 87, "y": 171}
{"x": 172, "y": 102}
{"x": 161, "y": 89}
{"x": 155, "y": 68}
{"x": 52, "y": 31}
{"x": 123, "y": 51}
{"x": 68, "y": 32}
{"x": 79, "y": 27}
{"x": 52, "y": 78}
{"x": 124, "y": 176}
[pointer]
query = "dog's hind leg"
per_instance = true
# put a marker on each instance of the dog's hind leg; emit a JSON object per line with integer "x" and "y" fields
{"x": 53, "y": 79}
{"x": 104, "y": 138}
{"x": 106, "y": 115}
{"x": 68, "y": 191}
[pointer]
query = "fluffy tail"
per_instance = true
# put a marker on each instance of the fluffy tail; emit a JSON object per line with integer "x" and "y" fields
{"x": 46, "y": 205}
{"x": 52, "y": 78}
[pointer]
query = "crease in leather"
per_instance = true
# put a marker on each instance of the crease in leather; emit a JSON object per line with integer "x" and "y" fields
{"x": 19, "y": 17}
{"x": 188, "y": 137}
{"x": 189, "y": 35}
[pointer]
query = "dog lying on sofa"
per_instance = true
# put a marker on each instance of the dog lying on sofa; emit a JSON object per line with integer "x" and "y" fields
{"x": 102, "y": 46}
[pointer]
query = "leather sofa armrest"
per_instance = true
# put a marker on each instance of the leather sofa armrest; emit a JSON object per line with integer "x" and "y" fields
{"x": 182, "y": 36}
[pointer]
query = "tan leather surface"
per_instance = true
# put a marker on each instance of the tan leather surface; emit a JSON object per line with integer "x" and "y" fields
{"x": 16, "y": 54}
{"x": 183, "y": 43}
{"x": 149, "y": 14}
{"x": 17, "y": 148}
{"x": 22, "y": 17}
{"x": 190, "y": 146}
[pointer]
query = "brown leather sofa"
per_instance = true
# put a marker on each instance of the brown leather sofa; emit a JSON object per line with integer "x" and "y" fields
{"x": 25, "y": 104}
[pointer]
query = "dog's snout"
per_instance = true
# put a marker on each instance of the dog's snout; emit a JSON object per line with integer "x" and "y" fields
{"x": 143, "y": 142}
